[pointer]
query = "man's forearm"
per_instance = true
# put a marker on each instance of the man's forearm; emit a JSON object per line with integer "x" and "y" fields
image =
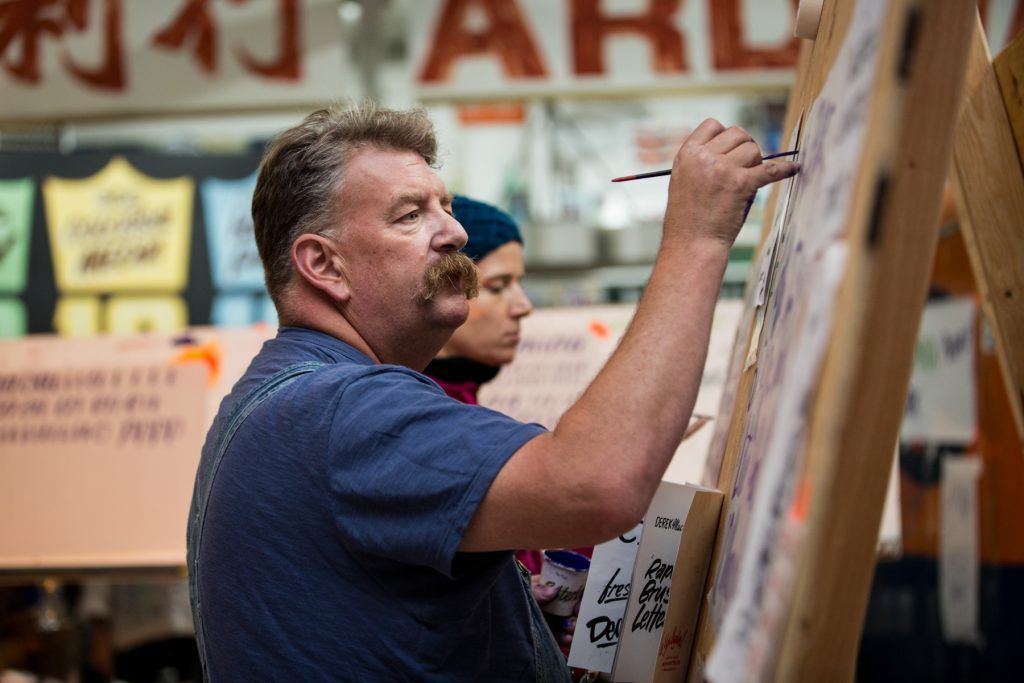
{"x": 630, "y": 420}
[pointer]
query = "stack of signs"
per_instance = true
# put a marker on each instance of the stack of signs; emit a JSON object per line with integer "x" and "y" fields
{"x": 642, "y": 597}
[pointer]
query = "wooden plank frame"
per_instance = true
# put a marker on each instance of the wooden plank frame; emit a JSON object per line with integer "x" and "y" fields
{"x": 891, "y": 232}
{"x": 988, "y": 190}
{"x": 1009, "y": 66}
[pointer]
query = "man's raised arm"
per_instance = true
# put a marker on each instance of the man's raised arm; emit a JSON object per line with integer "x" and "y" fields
{"x": 593, "y": 477}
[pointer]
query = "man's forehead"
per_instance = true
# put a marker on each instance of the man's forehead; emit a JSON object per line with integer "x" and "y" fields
{"x": 375, "y": 160}
{"x": 394, "y": 173}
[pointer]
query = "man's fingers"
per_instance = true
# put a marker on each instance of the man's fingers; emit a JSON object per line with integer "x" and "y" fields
{"x": 728, "y": 140}
{"x": 772, "y": 171}
{"x": 704, "y": 133}
{"x": 747, "y": 154}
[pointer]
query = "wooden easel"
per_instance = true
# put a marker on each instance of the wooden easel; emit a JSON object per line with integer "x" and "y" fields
{"x": 988, "y": 189}
{"x": 820, "y": 569}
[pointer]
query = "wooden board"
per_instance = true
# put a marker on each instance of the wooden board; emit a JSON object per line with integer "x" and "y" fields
{"x": 809, "y": 445}
{"x": 988, "y": 189}
{"x": 1009, "y": 66}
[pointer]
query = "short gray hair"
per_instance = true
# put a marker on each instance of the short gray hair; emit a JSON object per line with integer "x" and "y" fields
{"x": 302, "y": 167}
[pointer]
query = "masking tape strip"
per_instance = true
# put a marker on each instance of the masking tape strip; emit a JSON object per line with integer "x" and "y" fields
{"x": 808, "y": 16}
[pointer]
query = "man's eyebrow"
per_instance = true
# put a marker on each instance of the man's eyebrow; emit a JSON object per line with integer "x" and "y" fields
{"x": 416, "y": 198}
{"x": 447, "y": 199}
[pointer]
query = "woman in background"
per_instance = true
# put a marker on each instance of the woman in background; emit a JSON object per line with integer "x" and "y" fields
{"x": 489, "y": 337}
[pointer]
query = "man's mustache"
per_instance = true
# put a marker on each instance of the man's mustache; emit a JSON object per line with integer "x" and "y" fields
{"x": 453, "y": 270}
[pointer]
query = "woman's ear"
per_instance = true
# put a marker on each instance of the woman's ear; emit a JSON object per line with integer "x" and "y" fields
{"x": 317, "y": 261}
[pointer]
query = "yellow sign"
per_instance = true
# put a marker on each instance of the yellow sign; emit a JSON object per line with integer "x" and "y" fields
{"x": 139, "y": 314}
{"x": 119, "y": 230}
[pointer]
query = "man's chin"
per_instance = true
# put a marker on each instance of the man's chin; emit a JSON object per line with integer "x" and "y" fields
{"x": 451, "y": 310}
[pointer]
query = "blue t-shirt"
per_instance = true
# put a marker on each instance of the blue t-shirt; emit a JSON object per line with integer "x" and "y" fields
{"x": 331, "y": 533}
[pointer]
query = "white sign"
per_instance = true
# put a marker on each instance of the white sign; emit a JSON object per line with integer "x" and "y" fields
{"x": 64, "y": 60}
{"x": 604, "y": 602}
{"x": 98, "y": 463}
{"x": 942, "y": 400}
{"x": 510, "y": 48}
{"x": 647, "y": 609}
{"x": 667, "y": 584}
{"x": 639, "y": 609}
{"x": 563, "y": 349}
{"x": 959, "y": 581}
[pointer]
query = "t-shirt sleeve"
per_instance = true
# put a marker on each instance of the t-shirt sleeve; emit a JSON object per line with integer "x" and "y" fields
{"x": 408, "y": 466}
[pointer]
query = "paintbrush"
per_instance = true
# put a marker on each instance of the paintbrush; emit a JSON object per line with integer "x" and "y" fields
{"x": 668, "y": 171}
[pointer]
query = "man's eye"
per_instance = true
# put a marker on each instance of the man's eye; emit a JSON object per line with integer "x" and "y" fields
{"x": 495, "y": 289}
{"x": 411, "y": 216}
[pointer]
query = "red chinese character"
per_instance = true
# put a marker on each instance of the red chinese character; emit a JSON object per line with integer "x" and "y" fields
{"x": 195, "y": 19}
{"x": 24, "y": 22}
{"x": 197, "y": 23}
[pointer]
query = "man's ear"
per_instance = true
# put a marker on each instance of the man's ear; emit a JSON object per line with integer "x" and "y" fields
{"x": 317, "y": 261}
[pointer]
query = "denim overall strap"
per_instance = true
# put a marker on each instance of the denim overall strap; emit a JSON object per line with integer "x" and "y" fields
{"x": 208, "y": 472}
{"x": 550, "y": 663}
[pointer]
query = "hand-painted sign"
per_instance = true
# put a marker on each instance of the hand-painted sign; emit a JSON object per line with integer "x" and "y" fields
{"x": 15, "y": 233}
{"x": 234, "y": 262}
{"x": 523, "y": 48}
{"x": 506, "y": 48}
{"x": 942, "y": 401}
{"x": 61, "y": 58}
{"x": 119, "y": 230}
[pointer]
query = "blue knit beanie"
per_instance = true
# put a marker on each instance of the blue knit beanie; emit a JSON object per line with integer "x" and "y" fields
{"x": 488, "y": 226}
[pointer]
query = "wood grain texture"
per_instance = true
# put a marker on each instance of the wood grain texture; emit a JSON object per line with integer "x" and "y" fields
{"x": 1009, "y": 66}
{"x": 988, "y": 189}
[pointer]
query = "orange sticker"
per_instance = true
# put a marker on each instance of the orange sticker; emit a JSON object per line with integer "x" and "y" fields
{"x": 494, "y": 112}
{"x": 801, "y": 501}
{"x": 599, "y": 329}
{"x": 208, "y": 353}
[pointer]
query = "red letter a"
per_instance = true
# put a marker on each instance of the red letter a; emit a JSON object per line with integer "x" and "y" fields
{"x": 506, "y": 36}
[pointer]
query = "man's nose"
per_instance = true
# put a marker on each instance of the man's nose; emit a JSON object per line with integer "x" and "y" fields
{"x": 451, "y": 235}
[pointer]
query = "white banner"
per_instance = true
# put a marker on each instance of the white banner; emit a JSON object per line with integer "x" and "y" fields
{"x": 510, "y": 48}
{"x": 66, "y": 60}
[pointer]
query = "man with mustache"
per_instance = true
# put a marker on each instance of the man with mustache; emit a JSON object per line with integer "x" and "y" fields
{"x": 350, "y": 521}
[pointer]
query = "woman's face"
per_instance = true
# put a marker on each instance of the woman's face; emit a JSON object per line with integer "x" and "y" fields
{"x": 490, "y": 334}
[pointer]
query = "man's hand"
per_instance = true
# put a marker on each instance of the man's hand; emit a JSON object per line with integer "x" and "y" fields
{"x": 715, "y": 175}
